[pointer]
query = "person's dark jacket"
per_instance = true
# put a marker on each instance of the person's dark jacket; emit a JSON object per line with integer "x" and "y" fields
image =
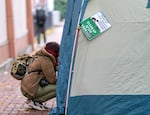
{"x": 40, "y": 17}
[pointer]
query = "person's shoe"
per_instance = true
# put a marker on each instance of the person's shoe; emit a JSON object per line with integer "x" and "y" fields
{"x": 37, "y": 106}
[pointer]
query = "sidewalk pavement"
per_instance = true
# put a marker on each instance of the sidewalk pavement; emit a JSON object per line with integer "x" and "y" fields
{"x": 12, "y": 102}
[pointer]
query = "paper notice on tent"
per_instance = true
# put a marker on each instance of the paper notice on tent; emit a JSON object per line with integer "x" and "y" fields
{"x": 94, "y": 25}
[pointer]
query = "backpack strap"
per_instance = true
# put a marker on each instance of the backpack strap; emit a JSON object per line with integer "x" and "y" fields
{"x": 39, "y": 71}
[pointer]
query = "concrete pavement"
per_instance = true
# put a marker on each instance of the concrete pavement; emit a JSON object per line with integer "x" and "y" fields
{"x": 12, "y": 102}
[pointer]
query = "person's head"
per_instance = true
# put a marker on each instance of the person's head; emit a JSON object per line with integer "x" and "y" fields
{"x": 53, "y": 48}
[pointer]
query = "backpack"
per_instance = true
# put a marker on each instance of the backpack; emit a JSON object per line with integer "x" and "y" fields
{"x": 40, "y": 16}
{"x": 20, "y": 66}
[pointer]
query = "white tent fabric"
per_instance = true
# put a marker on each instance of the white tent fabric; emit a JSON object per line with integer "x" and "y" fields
{"x": 117, "y": 61}
{"x": 111, "y": 73}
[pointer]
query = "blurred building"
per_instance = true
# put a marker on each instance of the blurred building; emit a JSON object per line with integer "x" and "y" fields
{"x": 16, "y": 29}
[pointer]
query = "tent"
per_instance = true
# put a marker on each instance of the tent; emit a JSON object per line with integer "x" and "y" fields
{"x": 108, "y": 75}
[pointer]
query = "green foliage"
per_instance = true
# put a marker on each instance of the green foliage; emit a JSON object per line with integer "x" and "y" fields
{"x": 60, "y": 5}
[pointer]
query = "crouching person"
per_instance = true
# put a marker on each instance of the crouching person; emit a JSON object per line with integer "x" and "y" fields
{"x": 40, "y": 84}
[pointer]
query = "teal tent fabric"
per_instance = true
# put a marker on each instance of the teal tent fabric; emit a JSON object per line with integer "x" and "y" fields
{"x": 111, "y": 72}
{"x": 148, "y": 4}
{"x": 74, "y": 8}
{"x": 118, "y": 47}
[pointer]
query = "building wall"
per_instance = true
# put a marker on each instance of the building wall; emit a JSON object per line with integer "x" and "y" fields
{"x": 16, "y": 29}
{"x": 20, "y": 25}
{"x": 20, "y": 18}
{"x": 3, "y": 32}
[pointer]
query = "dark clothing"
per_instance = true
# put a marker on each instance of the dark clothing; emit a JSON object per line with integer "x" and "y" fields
{"x": 40, "y": 23}
{"x": 40, "y": 17}
{"x": 41, "y": 30}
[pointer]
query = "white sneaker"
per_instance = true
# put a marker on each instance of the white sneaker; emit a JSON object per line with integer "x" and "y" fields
{"x": 37, "y": 105}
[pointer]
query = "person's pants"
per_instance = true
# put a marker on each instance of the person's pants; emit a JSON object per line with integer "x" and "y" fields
{"x": 41, "y": 30}
{"x": 43, "y": 94}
